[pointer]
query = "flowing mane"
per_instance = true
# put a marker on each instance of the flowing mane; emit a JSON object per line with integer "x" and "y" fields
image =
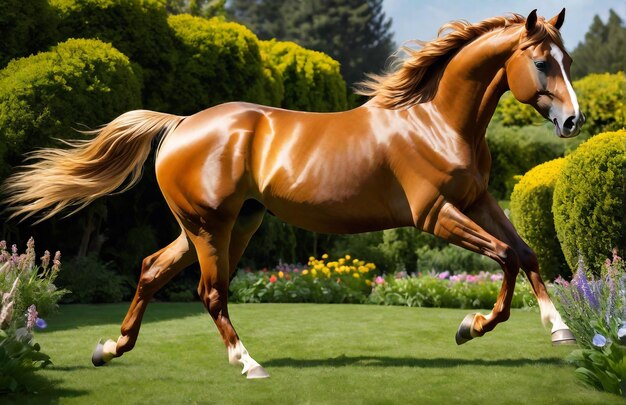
{"x": 415, "y": 79}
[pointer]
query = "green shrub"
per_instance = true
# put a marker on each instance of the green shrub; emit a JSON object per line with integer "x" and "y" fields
{"x": 531, "y": 212}
{"x": 46, "y": 95}
{"x": 218, "y": 61}
{"x": 589, "y": 200}
{"x": 453, "y": 259}
{"x": 91, "y": 282}
{"x": 137, "y": 28}
{"x": 26, "y": 27}
{"x": 511, "y": 112}
{"x": 602, "y": 98}
{"x": 515, "y": 150}
{"x": 311, "y": 79}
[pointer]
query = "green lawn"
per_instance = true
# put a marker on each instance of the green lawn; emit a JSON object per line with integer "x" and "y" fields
{"x": 316, "y": 354}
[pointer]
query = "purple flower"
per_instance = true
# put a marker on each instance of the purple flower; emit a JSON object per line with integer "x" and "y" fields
{"x": 444, "y": 275}
{"x": 496, "y": 277}
{"x": 599, "y": 340}
{"x": 31, "y": 317}
{"x": 580, "y": 281}
{"x": 471, "y": 278}
{"x": 456, "y": 278}
{"x": 41, "y": 324}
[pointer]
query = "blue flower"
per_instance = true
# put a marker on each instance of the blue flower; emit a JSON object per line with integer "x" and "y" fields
{"x": 621, "y": 334}
{"x": 599, "y": 340}
{"x": 40, "y": 323}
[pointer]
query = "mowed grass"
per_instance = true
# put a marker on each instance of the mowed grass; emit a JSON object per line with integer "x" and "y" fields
{"x": 316, "y": 354}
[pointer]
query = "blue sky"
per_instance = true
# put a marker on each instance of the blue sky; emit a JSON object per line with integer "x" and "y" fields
{"x": 420, "y": 19}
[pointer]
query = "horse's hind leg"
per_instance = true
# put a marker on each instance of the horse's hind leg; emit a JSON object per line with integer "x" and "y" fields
{"x": 212, "y": 245}
{"x": 156, "y": 271}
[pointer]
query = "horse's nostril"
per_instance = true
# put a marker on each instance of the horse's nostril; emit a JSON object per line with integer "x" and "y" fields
{"x": 569, "y": 123}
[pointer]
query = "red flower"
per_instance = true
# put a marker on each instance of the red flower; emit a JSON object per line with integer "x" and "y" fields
{"x": 273, "y": 279}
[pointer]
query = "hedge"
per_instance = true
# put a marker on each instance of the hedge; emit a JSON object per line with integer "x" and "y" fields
{"x": 46, "y": 95}
{"x": 531, "y": 213}
{"x": 26, "y": 27}
{"x": 218, "y": 61}
{"x": 311, "y": 79}
{"x": 590, "y": 200}
{"x": 514, "y": 151}
{"x": 137, "y": 28}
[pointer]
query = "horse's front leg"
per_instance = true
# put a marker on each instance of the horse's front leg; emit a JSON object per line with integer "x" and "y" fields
{"x": 490, "y": 216}
{"x": 458, "y": 228}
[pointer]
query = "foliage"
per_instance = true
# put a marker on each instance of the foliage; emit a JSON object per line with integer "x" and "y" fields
{"x": 218, "y": 61}
{"x": 531, "y": 213}
{"x": 43, "y": 96}
{"x": 454, "y": 259}
{"x": 91, "y": 281}
{"x": 514, "y": 151}
{"x": 202, "y": 8}
{"x": 589, "y": 200}
{"x": 311, "y": 79}
{"x": 595, "y": 310}
{"x": 345, "y": 280}
{"x": 446, "y": 290}
{"x": 25, "y": 28}
{"x": 138, "y": 28}
{"x": 602, "y": 99}
{"x": 604, "y": 48}
{"x": 512, "y": 113}
{"x": 357, "y": 33}
{"x": 27, "y": 293}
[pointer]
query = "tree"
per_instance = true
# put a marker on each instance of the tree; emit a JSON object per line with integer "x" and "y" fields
{"x": 354, "y": 32}
{"x": 604, "y": 48}
{"x": 201, "y": 8}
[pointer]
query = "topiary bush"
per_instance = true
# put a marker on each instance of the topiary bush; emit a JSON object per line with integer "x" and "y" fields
{"x": 78, "y": 82}
{"x": 311, "y": 79}
{"x": 514, "y": 151}
{"x": 590, "y": 201}
{"x": 602, "y": 100}
{"x": 138, "y": 28}
{"x": 219, "y": 61}
{"x": 531, "y": 212}
{"x": 26, "y": 27}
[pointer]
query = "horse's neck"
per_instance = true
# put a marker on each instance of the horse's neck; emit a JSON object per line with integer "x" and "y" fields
{"x": 473, "y": 82}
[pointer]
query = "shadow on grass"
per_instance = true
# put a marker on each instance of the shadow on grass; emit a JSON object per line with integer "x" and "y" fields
{"x": 383, "y": 361}
{"x": 73, "y": 316}
{"x": 42, "y": 390}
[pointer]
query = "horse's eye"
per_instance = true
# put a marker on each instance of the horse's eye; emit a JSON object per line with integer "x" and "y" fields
{"x": 541, "y": 65}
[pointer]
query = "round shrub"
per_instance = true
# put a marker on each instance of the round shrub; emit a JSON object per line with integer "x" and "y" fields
{"x": 511, "y": 112}
{"x": 218, "y": 61}
{"x": 311, "y": 79}
{"x": 26, "y": 27}
{"x": 46, "y": 95}
{"x": 602, "y": 100}
{"x": 138, "y": 28}
{"x": 531, "y": 212}
{"x": 590, "y": 200}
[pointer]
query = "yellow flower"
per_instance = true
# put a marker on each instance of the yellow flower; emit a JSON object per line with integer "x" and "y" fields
{"x": 324, "y": 256}
{"x": 342, "y": 261}
{"x": 281, "y": 274}
{"x": 305, "y": 272}
{"x": 356, "y": 275}
{"x": 355, "y": 261}
{"x": 368, "y": 283}
{"x": 311, "y": 259}
{"x": 314, "y": 272}
{"x": 348, "y": 257}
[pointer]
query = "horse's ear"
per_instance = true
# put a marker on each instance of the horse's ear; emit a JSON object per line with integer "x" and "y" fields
{"x": 531, "y": 20}
{"x": 558, "y": 19}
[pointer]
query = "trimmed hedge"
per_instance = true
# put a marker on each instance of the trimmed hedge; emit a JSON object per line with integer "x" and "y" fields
{"x": 137, "y": 28}
{"x": 218, "y": 62}
{"x": 311, "y": 79}
{"x": 590, "y": 200}
{"x": 531, "y": 212}
{"x": 26, "y": 27}
{"x": 78, "y": 82}
{"x": 514, "y": 151}
{"x": 602, "y": 99}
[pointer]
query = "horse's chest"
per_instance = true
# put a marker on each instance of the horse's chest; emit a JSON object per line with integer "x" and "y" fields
{"x": 463, "y": 185}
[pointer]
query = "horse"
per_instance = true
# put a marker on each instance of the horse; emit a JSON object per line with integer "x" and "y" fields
{"x": 414, "y": 155}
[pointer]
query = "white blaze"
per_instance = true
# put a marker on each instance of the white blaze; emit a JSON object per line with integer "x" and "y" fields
{"x": 557, "y": 54}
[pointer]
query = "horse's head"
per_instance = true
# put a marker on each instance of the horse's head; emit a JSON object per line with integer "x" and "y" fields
{"x": 538, "y": 74}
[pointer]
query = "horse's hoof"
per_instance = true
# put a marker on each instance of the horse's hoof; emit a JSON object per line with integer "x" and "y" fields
{"x": 96, "y": 357}
{"x": 464, "y": 333}
{"x": 563, "y": 337}
{"x": 257, "y": 372}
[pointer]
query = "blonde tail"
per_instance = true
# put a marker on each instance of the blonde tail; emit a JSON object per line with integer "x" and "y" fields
{"x": 89, "y": 169}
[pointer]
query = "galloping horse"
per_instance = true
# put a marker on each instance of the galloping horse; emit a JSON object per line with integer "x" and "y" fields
{"x": 414, "y": 155}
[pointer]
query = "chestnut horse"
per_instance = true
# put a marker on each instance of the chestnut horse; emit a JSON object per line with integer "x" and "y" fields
{"x": 414, "y": 155}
